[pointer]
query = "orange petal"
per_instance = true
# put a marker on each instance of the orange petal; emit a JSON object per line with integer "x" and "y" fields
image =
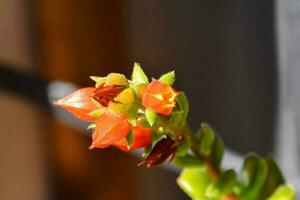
{"x": 142, "y": 137}
{"x": 159, "y": 97}
{"x": 79, "y": 103}
{"x": 110, "y": 128}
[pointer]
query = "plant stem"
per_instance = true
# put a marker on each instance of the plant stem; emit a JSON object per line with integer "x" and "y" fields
{"x": 213, "y": 170}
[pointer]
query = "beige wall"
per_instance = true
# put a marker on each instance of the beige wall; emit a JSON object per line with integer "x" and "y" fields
{"x": 22, "y": 175}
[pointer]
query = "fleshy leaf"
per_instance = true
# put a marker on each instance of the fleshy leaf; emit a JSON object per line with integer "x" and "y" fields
{"x": 194, "y": 182}
{"x": 223, "y": 187}
{"x": 273, "y": 180}
{"x": 226, "y": 182}
{"x": 138, "y": 75}
{"x": 168, "y": 78}
{"x": 150, "y": 116}
{"x": 253, "y": 177}
{"x": 283, "y": 192}
{"x": 217, "y": 151}
{"x": 206, "y": 138}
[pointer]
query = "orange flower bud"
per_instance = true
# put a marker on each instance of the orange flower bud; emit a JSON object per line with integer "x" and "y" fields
{"x": 110, "y": 128}
{"x": 159, "y": 97}
{"x": 80, "y": 103}
{"x": 142, "y": 137}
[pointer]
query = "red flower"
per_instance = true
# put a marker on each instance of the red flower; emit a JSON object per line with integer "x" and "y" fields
{"x": 159, "y": 97}
{"x": 80, "y": 103}
{"x": 111, "y": 128}
{"x": 142, "y": 137}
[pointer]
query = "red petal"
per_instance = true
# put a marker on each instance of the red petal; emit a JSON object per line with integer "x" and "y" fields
{"x": 142, "y": 137}
{"x": 79, "y": 103}
{"x": 110, "y": 128}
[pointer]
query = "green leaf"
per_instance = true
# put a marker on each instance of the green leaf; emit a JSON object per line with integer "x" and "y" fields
{"x": 273, "y": 180}
{"x": 283, "y": 192}
{"x": 97, "y": 113}
{"x": 253, "y": 177}
{"x": 138, "y": 75}
{"x": 92, "y": 126}
{"x": 206, "y": 138}
{"x": 226, "y": 182}
{"x": 129, "y": 138}
{"x": 194, "y": 182}
{"x": 224, "y": 185}
{"x": 150, "y": 116}
{"x": 168, "y": 78}
{"x": 187, "y": 161}
{"x": 217, "y": 151}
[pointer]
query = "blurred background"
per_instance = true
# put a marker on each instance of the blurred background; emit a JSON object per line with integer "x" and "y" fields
{"x": 236, "y": 60}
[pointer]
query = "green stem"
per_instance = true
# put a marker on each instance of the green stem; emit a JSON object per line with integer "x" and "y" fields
{"x": 213, "y": 170}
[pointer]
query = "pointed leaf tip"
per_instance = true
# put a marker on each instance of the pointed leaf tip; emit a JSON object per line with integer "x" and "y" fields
{"x": 168, "y": 78}
{"x": 138, "y": 75}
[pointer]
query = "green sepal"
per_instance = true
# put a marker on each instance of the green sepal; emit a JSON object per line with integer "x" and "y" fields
{"x": 150, "y": 116}
{"x": 273, "y": 180}
{"x": 183, "y": 103}
{"x": 194, "y": 182}
{"x": 176, "y": 117}
{"x": 92, "y": 126}
{"x": 180, "y": 112}
{"x": 155, "y": 139}
{"x": 138, "y": 75}
{"x": 132, "y": 121}
{"x": 129, "y": 138}
{"x": 283, "y": 192}
{"x": 98, "y": 80}
{"x": 116, "y": 79}
{"x": 253, "y": 177}
{"x": 144, "y": 122}
{"x": 187, "y": 161}
{"x": 97, "y": 113}
{"x": 184, "y": 146}
{"x": 147, "y": 150}
{"x": 168, "y": 78}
